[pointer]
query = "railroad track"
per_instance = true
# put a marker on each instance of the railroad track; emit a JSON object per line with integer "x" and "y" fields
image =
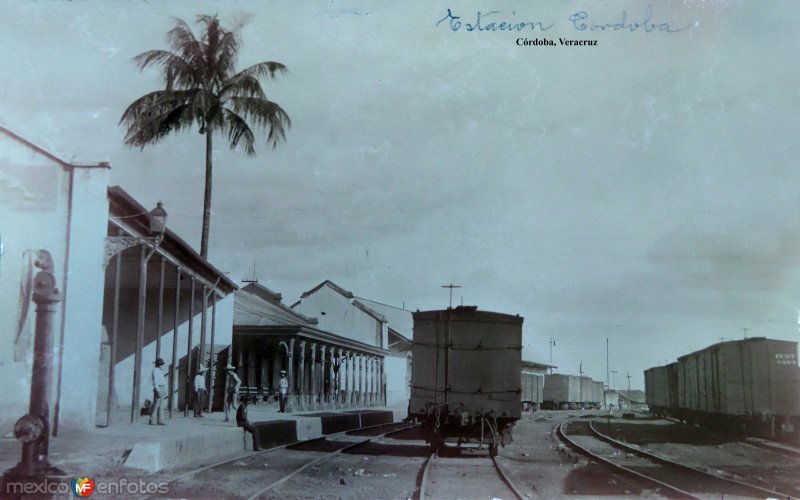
{"x": 259, "y": 473}
{"x": 737, "y": 475}
{"x": 464, "y": 477}
{"x": 665, "y": 475}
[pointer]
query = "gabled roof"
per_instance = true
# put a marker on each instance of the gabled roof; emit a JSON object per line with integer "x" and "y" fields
{"x": 401, "y": 321}
{"x": 251, "y": 309}
{"x": 331, "y": 284}
{"x": 348, "y": 295}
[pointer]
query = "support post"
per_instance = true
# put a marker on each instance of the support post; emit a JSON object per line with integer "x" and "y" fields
{"x": 173, "y": 372}
{"x": 114, "y": 337}
{"x": 160, "y": 318}
{"x": 332, "y": 379}
{"x": 137, "y": 356}
{"x": 188, "y": 387}
{"x": 301, "y": 376}
{"x": 201, "y": 350}
{"x": 211, "y": 355}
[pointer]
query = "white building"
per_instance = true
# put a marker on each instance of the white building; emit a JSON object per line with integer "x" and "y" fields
{"x": 50, "y": 204}
{"x": 339, "y": 311}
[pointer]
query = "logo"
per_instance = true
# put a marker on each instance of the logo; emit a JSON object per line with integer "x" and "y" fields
{"x": 82, "y": 486}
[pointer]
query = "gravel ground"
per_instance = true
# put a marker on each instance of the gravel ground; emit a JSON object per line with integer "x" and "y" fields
{"x": 714, "y": 452}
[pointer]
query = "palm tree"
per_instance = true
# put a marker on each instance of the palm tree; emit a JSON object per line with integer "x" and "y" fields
{"x": 202, "y": 88}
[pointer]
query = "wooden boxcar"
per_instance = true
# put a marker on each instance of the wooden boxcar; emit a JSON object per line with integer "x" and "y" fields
{"x": 661, "y": 389}
{"x": 750, "y": 385}
{"x": 532, "y": 390}
{"x": 561, "y": 391}
{"x": 465, "y": 380}
{"x": 753, "y": 382}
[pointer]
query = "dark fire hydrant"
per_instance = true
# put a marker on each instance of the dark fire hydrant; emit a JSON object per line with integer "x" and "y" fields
{"x": 33, "y": 429}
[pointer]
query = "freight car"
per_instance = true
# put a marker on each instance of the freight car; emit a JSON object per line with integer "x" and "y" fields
{"x": 750, "y": 385}
{"x": 465, "y": 381}
{"x": 661, "y": 389}
{"x": 532, "y": 390}
{"x": 563, "y": 392}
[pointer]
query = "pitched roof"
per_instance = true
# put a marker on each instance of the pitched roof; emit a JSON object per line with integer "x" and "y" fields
{"x": 331, "y": 284}
{"x": 250, "y": 309}
{"x": 400, "y": 320}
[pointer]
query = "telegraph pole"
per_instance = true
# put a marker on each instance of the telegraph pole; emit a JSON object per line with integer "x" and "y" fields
{"x": 552, "y": 343}
{"x": 608, "y": 377}
{"x": 629, "y": 389}
{"x": 451, "y": 286}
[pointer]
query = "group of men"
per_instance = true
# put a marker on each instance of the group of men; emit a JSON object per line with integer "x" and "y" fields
{"x": 159, "y": 380}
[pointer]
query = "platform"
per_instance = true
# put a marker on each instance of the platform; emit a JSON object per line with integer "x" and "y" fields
{"x": 187, "y": 440}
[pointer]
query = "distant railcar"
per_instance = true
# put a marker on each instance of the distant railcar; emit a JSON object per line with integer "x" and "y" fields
{"x": 751, "y": 385}
{"x": 465, "y": 380}
{"x": 532, "y": 390}
{"x": 561, "y": 392}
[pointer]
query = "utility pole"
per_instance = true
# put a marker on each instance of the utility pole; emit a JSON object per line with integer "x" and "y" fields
{"x": 580, "y": 384}
{"x": 745, "y": 332}
{"x": 608, "y": 379}
{"x": 451, "y": 286}
{"x": 629, "y": 389}
{"x": 551, "y": 343}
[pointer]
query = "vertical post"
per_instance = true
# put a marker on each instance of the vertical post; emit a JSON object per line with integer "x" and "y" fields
{"x": 320, "y": 390}
{"x": 188, "y": 388}
{"x": 137, "y": 358}
{"x": 114, "y": 337}
{"x": 201, "y": 350}
{"x": 173, "y": 372}
{"x": 370, "y": 381}
{"x": 332, "y": 375}
{"x": 608, "y": 376}
{"x": 211, "y": 355}
{"x": 160, "y": 307}
{"x": 360, "y": 364}
{"x": 346, "y": 388}
{"x": 301, "y": 376}
{"x": 290, "y": 354}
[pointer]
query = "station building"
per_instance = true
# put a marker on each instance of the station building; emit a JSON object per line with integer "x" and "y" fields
{"x": 128, "y": 292}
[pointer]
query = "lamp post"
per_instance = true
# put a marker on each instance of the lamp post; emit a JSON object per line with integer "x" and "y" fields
{"x": 551, "y": 343}
{"x": 157, "y": 222}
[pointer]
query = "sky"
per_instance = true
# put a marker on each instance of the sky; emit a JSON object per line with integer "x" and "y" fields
{"x": 644, "y": 191}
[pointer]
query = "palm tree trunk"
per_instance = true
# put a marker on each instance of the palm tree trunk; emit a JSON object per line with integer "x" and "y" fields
{"x": 206, "y": 199}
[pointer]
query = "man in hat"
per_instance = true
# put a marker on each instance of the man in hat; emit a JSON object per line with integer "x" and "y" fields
{"x": 232, "y": 391}
{"x": 243, "y": 421}
{"x": 159, "y": 391}
{"x": 283, "y": 390}
{"x": 199, "y": 390}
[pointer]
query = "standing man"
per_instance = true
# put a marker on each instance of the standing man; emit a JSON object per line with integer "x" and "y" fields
{"x": 232, "y": 391}
{"x": 159, "y": 391}
{"x": 283, "y": 389}
{"x": 199, "y": 391}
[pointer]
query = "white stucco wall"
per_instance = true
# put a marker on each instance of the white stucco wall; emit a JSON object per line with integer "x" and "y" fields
{"x": 123, "y": 372}
{"x": 397, "y": 388}
{"x": 34, "y": 208}
{"x": 342, "y": 317}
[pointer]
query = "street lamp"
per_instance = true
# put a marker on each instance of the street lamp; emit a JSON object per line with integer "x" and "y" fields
{"x": 157, "y": 227}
